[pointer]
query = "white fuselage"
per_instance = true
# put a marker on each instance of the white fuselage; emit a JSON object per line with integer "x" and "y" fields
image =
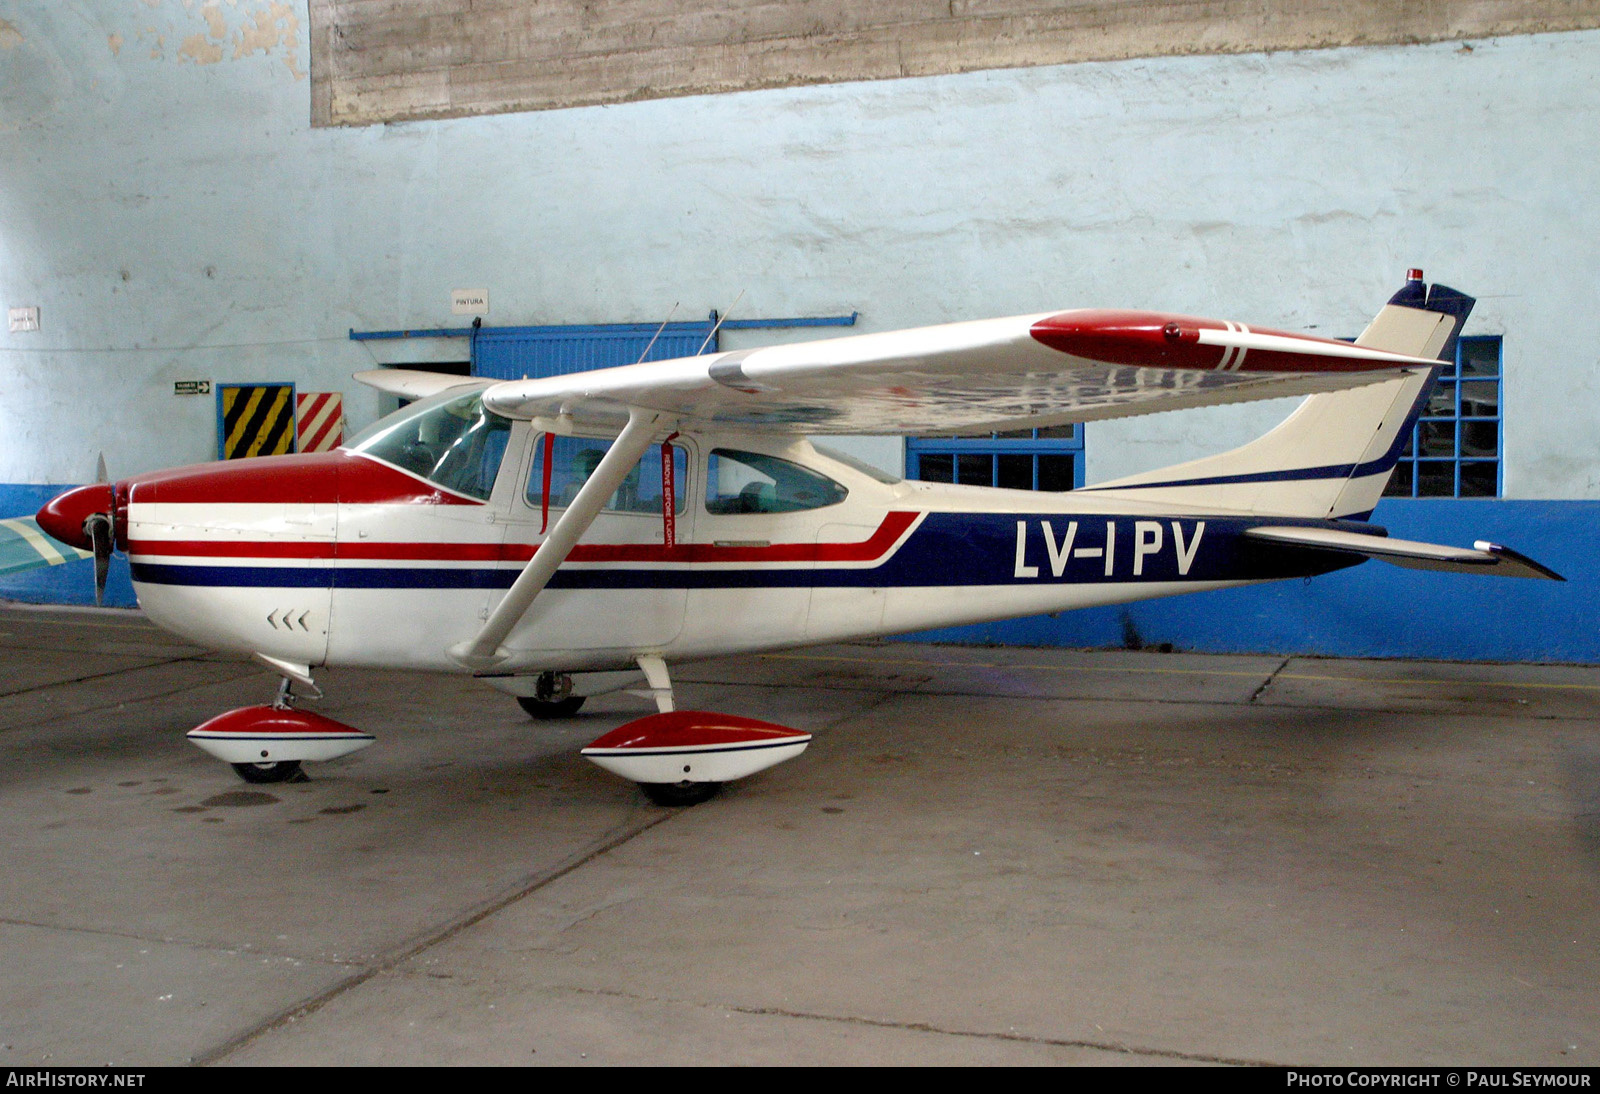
{"x": 368, "y": 564}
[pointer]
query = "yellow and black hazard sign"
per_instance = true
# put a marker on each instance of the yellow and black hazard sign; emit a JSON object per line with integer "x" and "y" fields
{"x": 255, "y": 420}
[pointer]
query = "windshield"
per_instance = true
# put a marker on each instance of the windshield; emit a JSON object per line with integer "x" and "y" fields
{"x": 449, "y": 439}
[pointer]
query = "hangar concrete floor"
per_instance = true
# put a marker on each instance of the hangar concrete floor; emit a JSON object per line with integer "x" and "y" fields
{"x": 987, "y": 856}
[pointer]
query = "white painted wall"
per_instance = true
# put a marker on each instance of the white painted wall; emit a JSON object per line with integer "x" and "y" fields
{"x": 175, "y": 219}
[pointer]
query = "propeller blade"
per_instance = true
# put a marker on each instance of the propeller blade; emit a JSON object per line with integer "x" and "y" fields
{"x": 99, "y": 528}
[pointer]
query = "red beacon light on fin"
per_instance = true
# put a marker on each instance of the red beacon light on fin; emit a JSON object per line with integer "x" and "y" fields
{"x": 1414, "y": 274}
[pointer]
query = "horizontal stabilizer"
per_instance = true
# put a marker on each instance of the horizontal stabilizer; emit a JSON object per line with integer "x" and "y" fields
{"x": 1481, "y": 557}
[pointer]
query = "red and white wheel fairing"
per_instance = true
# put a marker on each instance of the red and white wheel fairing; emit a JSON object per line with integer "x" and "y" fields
{"x": 695, "y": 746}
{"x": 264, "y": 734}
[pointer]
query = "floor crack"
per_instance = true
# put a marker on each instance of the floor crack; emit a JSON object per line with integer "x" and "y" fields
{"x": 441, "y": 933}
{"x": 187, "y": 943}
{"x": 52, "y": 716}
{"x": 1120, "y": 1047}
{"x": 153, "y": 663}
{"x": 1267, "y": 683}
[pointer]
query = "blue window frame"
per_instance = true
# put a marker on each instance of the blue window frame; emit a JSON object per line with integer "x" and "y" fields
{"x": 1455, "y": 448}
{"x": 1022, "y": 459}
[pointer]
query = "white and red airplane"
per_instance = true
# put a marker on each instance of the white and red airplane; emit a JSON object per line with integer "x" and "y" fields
{"x": 559, "y": 537}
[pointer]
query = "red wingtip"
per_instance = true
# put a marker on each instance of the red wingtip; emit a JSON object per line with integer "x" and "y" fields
{"x": 1131, "y": 337}
{"x": 63, "y": 515}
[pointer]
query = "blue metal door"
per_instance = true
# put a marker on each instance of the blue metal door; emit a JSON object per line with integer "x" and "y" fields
{"x": 512, "y": 353}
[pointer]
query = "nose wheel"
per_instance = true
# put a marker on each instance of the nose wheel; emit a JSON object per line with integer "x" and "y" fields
{"x": 268, "y": 744}
{"x": 283, "y": 771}
{"x": 677, "y": 795}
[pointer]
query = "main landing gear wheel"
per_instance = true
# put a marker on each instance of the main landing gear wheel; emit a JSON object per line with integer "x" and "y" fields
{"x": 673, "y": 795}
{"x": 281, "y": 772}
{"x": 552, "y": 697}
{"x": 564, "y": 708}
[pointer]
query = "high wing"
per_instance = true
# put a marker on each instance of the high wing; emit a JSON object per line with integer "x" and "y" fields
{"x": 972, "y": 377}
{"x": 414, "y": 383}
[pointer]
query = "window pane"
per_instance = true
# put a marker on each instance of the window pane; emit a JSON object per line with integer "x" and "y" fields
{"x": 1480, "y": 399}
{"x": 577, "y": 457}
{"x": 1478, "y": 480}
{"x": 975, "y": 470}
{"x": 1400, "y": 482}
{"x": 754, "y": 482}
{"x": 1016, "y": 471}
{"x": 936, "y": 467}
{"x": 1442, "y": 401}
{"x": 1058, "y": 432}
{"x": 1436, "y": 479}
{"x": 1015, "y": 435}
{"x": 1438, "y": 438}
{"x": 1056, "y": 473}
{"x": 1480, "y": 438}
{"x": 1480, "y": 357}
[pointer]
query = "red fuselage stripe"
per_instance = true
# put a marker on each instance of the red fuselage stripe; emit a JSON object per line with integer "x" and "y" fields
{"x": 893, "y": 527}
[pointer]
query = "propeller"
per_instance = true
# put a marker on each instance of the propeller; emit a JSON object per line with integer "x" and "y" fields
{"x": 98, "y": 528}
{"x": 83, "y": 517}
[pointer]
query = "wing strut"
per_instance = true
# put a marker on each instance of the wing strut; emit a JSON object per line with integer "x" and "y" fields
{"x": 484, "y": 651}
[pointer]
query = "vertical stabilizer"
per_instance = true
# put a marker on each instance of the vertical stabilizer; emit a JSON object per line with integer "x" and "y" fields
{"x": 1333, "y": 456}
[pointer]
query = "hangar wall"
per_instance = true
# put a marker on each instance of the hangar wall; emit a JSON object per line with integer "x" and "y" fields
{"x": 168, "y": 206}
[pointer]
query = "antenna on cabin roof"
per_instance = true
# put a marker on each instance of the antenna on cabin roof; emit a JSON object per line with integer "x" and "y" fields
{"x": 651, "y": 344}
{"x": 720, "y": 320}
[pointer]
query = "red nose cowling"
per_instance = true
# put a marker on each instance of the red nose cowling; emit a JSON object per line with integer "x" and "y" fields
{"x": 63, "y": 515}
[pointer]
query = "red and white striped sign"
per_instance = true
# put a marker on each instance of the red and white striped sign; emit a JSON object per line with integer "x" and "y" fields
{"x": 320, "y": 415}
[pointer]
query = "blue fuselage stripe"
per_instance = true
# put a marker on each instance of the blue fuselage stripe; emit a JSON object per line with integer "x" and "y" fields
{"x": 947, "y": 549}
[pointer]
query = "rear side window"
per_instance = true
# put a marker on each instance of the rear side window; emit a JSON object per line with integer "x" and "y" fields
{"x": 577, "y": 457}
{"x": 754, "y": 482}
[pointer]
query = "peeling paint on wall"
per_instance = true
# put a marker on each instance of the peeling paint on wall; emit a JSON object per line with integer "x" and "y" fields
{"x": 195, "y": 48}
{"x": 213, "y": 31}
{"x": 216, "y": 25}
{"x": 274, "y": 27}
{"x": 10, "y": 36}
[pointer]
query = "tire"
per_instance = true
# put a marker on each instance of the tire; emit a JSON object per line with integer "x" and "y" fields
{"x": 560, "y": 708}
{"x": 678, "y": 795}
{"x": 281, "y": 772}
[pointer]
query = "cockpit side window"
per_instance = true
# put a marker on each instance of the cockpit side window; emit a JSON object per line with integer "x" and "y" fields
{"x": 454, "y": 443}
{"x": 577, "y": 457}
{"x": 754, "y": 482}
